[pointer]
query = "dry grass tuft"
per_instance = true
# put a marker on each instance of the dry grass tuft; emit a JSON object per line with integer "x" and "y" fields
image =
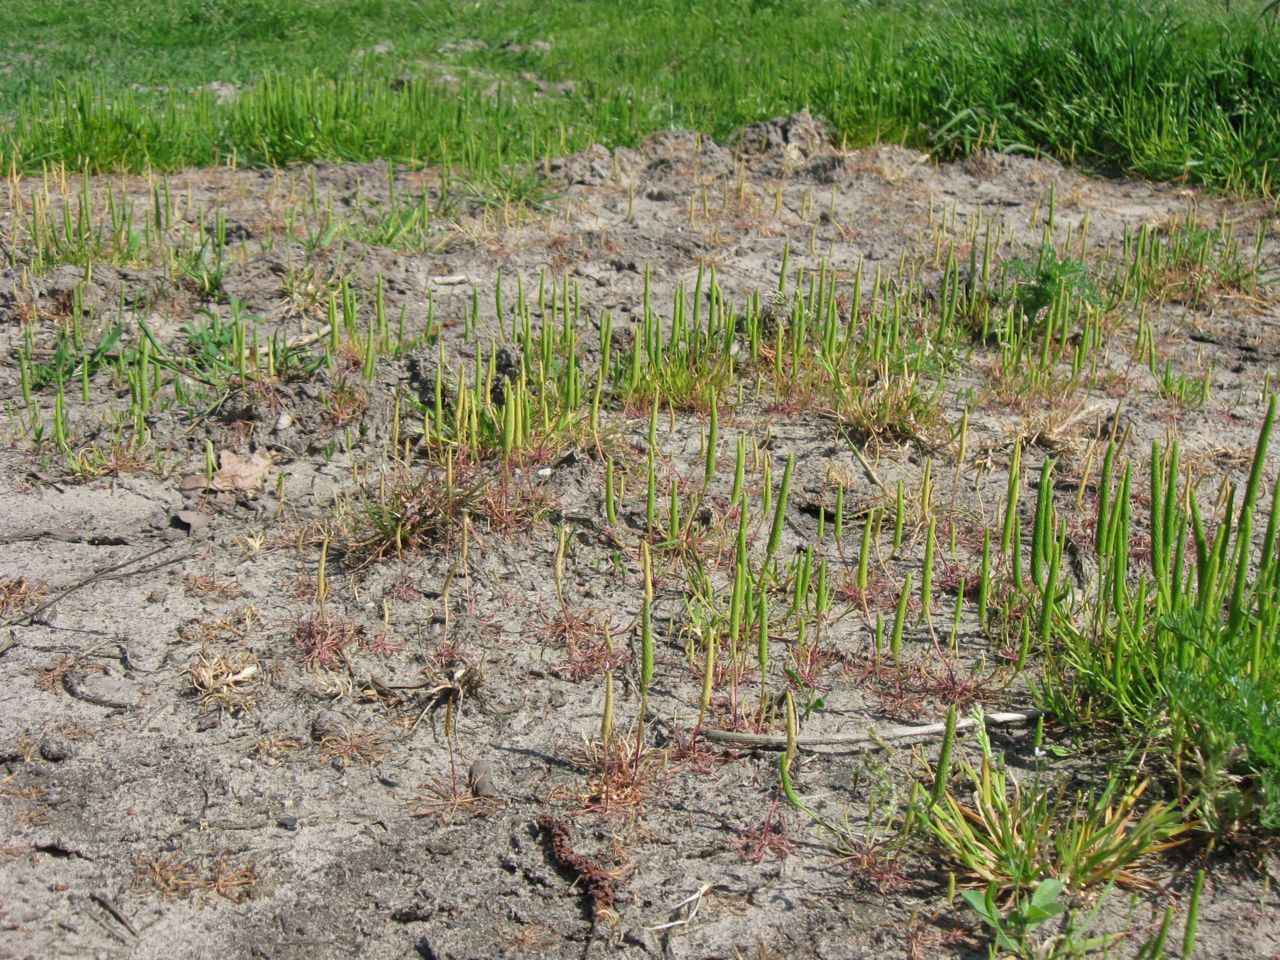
{"x": 354, "y": 745}
{"x": 210, "y": 584}
{"x": 325, "y": 638}
{"x": 225, "y": 682}
{"x": 176, "y": 877}
{"x": 18, "y": 592}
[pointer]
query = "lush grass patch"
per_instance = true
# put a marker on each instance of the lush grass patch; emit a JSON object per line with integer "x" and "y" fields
{"x": 1188, "y": 654}
{"x": 1177, "y": 90}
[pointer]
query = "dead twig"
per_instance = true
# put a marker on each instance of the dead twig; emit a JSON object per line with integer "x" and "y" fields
{"x": 695, "y": 899}
{"x": 71, "y": 684}
{"x": 867, "y": 739}
{"x": 117, "y": 571}
{"x": 107, "y": 904}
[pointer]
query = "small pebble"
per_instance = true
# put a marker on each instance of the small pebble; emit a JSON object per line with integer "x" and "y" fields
{"x": 283, "y": 422}
{"x": 192, "y": 484}
{"x": 327, "y": 725}
{"x": 480, "y": 779}
{"x": 192, "y": 521}
{"x": 441, "y": 846}
{"x": 55, "y": 749}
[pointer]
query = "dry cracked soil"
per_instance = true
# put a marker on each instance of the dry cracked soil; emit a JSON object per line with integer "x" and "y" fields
{"x": 227, "y": 731}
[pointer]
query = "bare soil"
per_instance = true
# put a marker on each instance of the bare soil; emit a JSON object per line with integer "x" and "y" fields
{"x": 323, "y": 804}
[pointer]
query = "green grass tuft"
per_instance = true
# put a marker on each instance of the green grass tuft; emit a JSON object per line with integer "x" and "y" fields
{"x": 1175, "y": 90}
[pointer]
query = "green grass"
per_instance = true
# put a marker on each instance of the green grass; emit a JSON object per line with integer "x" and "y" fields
{"x": 1179, "y": 89}
{"x": 1185, "y": 653}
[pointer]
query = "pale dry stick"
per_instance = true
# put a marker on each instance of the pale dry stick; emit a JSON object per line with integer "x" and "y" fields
{"x": 871, "y": 474}
{"x": 695, "y": 899}
{"x": 867, "y": 739}
{"x": 99, "y": 917}
{"x": 65, "y": 534}
{"x": 107, "y": 904}
{"x": 71, "y": 684}
{"x": 116, "y": 571}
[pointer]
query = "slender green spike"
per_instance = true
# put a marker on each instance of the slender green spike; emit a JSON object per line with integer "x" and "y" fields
{"x": 839, "y": 514}
{"x": 984, "y": 583}
{"x": 1170, "y": 498}
{"x": 864, "y": 554}
{"x": 926, "y": 574}
{"x": 1159, "y": 545}
{"x": 60, "y": 433}
{"x": 1049, "y": 591}
{"x": 1015, "y": 561}
{"x": 899, "y": 620}
{"x": 708, "y": 676}
{"x": 804, "y": 572}
{"x": 762, "y": 648}
{"x": 1193, "y": 915}
{"x": 943, "y": 772}
{"x": 713, "y": 443}
{"x": 1244, "y": 533}
{"x": 780, "y": 509}
{"x": 739, "y": 470}
{"x": 741, "y": 558}
{"x": 1041, "y": 532}
{"x": 610, "y": 495}
{"x": 380, "y": 308}
{"x": 646, "y": 631}
{"x": 651, "y": 500}
{"x": 737, "y": 600}
{"x": 606, "y": 719}
{"x": 956, "y": 614}
{"x": 1011, "y": 499}
{"x": 766, "y": 485}
{"x": 899, "y": 518}
{"x": 508, "y": 422}
{"x": 1268, "y": 554}
{"x": 673, "y": 513}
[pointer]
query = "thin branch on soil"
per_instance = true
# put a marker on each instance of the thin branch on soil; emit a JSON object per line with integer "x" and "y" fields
{"x": 117, "y": 571}
{"x": 695, "y": 899}
{"x": 107, "y": 904}
{"x": 868, "y": 739}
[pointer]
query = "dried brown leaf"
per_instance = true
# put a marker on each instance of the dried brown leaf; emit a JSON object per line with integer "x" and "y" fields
{"x": 241, "y": 473}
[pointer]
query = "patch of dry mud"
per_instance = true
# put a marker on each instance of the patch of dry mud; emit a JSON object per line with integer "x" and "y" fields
{"x": 288, "y": 828}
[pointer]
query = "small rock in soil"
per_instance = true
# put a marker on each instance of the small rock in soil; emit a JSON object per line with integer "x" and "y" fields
{"x": 56, "y": 749}
{"x": 191, "y": 484}
{"x": 192, "y": 521}
{"x": 327, "y": 725}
